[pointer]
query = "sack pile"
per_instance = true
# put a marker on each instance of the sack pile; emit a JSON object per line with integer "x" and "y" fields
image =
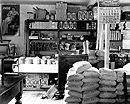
{"x": 82, "y": 84}
{"x": 88, "y": 85}
{"x": 107, "y": 86}
{"x": 120, "y": 88}
{"x": 73, "y": 91}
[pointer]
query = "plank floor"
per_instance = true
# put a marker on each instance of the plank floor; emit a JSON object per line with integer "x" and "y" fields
{"x": 35, "y": 97}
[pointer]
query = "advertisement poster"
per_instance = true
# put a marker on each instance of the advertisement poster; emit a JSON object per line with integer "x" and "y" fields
{"x": 10, "y": 20}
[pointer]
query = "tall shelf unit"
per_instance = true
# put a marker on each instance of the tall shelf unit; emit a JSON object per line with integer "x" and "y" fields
{"x": 44, "y": 37}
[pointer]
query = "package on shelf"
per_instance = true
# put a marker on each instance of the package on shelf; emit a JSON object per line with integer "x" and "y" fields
{"x": 61, "y": 5}
{"x": 61, "y": 14}
{"x": 43, "y": 25}
{"x": 73, "y": 9}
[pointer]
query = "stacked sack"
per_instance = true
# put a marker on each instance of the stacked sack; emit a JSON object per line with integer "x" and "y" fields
{"x": 120, "y": 86}
{"x": 73, "y": 91}
{"x": 107, "y": 86}
{"x": 82, "y": 84}
{"x": 90, "y": 86}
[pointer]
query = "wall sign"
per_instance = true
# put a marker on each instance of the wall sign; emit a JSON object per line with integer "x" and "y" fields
{"x": 109, "y": 11}
{"x": 10, "y": 19}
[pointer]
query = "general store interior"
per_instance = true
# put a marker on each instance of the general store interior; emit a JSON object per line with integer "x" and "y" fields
{"x": 51, "y": 44}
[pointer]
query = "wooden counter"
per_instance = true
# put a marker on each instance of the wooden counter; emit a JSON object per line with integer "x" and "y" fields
{"x": 13, "y": 87}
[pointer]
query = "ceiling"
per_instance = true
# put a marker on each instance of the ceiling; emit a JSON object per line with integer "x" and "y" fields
{"x": 82, "y": 2}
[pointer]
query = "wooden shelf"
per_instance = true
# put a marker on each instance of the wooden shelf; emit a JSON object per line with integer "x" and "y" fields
{"x": 43, "y": 29}
{"x": 71, "y": 40}
{"x": 80, "y": 30}
{"x": 38, "y": 20}
{"x": 40, "y": 40}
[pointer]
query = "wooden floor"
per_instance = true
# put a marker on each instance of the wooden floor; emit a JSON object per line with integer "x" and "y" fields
{"x": 35, "y": 97}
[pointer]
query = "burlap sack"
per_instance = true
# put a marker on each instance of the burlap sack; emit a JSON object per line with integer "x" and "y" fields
{"x": 71, "y": 77}
{"x": 107, "y": 88}
{"x": 81, "y": 66}
{"x": 107, "y": 77}
{"x": 75, "y": 82}
{"x": 90, "y": 79}
{"x": 119, "y": 86}
{"x": 90, "y": 100}
{"x": 72, "y": 99}
{"x": 91, "y": 74}
{"x": 73, "y": 88}
{"x": 90, "y": 94}
{"x": 102, "y": 100}
{"x": 119, "y": 92}
{"x": 107, "y": 82}
{"x": 90, "y": 86}
{"x": 107, "y": 95}
{"x": 73, "y": 93}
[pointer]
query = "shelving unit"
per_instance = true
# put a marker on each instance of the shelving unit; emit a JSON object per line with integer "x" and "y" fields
{"x": 41, "y": 35}
{"x": 60, "y": 28}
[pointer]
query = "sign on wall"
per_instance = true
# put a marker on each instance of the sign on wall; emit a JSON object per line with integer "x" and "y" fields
{"x": 10, "y": 19}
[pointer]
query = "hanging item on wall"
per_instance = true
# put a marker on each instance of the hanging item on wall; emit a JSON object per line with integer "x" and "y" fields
{"x": 10, "y": 20}
{"x": 109, "y": 11}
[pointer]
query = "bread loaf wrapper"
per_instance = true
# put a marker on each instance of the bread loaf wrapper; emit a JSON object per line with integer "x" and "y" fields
{"x": 107, "y": 82}
{"x": 90, "y": 79}
{"x": 119, "y": 86}
{"x": 102, "y": 100}
{"x": 72, "y": 99}
{"x": 90, "y": 86}
{"x": 81, "y": 66}
{"x": 73, "y": 93}
{"x": 107, "y": 88}
{"x": 107, "y": 95}
{"x": 73, "y": 88}
{"x": 90, "y": 100}
{"x": 90, "y": 94}
{"x": 75, "y": 82}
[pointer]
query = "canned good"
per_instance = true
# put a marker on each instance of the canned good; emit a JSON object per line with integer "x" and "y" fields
{"x": 68, "y": 16}
{"x": 80, "y": 15}
{"x": 73, "y": 16}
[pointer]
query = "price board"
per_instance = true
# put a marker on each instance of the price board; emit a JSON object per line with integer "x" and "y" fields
{"x": 109, "y": 11}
